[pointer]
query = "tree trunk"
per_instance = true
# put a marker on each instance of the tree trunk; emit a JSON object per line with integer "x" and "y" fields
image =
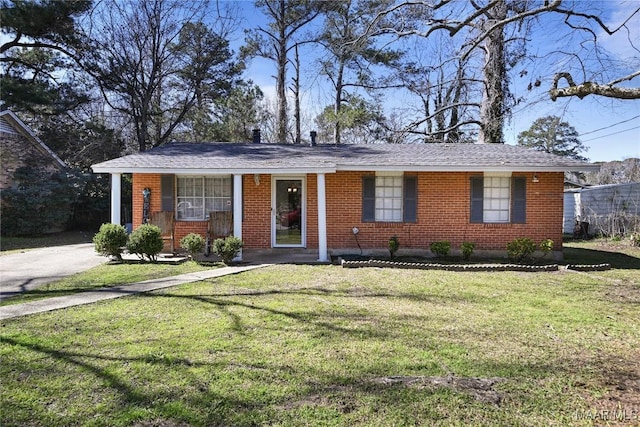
{"x": 296, "y": 96}
{"x": 494, "y": 71}
{"x": 337, "y": 107}
{"x": 281, "y": 80}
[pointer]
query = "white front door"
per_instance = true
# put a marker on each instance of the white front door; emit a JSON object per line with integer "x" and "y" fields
{"x": 288, "y": 207}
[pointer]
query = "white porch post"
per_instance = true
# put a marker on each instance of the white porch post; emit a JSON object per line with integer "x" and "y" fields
{"x": 237, "y": 210}
{"x": 116, "y": 191}
{"x": 322, "y": 219}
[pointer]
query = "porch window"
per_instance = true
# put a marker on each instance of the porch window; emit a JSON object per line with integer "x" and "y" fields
{"x": 196, "y": 196}
{"x": 389, "y": 197}
{"x": 498, "y": 198}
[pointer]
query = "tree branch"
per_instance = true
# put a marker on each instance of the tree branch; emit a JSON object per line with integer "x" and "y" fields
{"x": 591, "y": 88}
{"x": 546, "y": 8}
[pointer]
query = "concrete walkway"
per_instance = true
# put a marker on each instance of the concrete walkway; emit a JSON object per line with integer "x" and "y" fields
{"x": 55, "y": 303}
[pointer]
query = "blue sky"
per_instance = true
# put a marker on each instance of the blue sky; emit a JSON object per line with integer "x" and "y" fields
{"x": 609, "y": 128}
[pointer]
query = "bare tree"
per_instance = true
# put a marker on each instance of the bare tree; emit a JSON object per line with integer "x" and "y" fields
{"x": 492, "y": 35}
{"x": 446, "y": 98}
{"x": 295, "y": 89}
{"x": 590, "y": 24}
{"x": 274, "y": 42}
{"x": 352, "y": 53}
{"x": 147, "y": 72}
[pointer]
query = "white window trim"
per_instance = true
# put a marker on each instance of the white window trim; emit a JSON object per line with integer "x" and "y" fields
{"x": 487, "y": 199}
{"x": 400, "y": 211}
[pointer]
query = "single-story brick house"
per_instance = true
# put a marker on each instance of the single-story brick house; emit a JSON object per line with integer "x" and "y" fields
{"x": 336, "y": 199}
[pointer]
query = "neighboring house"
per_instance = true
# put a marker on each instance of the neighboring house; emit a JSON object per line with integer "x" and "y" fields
{"x": 609, "y": 210}
{"x": 19, "y": 147}
{"x": 319, "y": 197}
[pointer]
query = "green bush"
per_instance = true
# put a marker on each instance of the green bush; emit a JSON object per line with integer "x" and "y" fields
{"x": 635, "y": 239}
{"x": 146, "y": 241}
{"x": 466, "y": 249}
{"x": 39, "y": 203}
{"x": 440, "y": 249}
{"x": 394, "y": 245}
{"x": 520, "y": 249}
{"x": 546, "y": 246}
{"x": 110, "y": 240}
{"x": 193, "y": 243}
{"x": 227, "y": 248}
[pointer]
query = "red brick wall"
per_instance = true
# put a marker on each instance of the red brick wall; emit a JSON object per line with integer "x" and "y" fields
{"x": 443, "y": 212}
{"x": 256, "y": 221}
{"x": 140, "y": 182}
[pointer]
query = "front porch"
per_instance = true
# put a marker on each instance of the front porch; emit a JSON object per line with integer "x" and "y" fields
{"x": 255, "y": 202}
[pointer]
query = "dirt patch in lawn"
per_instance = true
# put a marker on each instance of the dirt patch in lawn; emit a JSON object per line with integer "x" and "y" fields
{"x": 621, "y": 400}
{"x": 482, "y": 389}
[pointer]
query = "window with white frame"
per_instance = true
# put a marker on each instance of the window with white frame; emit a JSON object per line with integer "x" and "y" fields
{"x": 389, "y": 197}
{"x": 497, "y": 198}
{"x": 196, "y": 196}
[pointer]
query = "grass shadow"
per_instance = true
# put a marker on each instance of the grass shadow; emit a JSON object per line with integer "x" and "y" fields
{"x": 617, "y": 260}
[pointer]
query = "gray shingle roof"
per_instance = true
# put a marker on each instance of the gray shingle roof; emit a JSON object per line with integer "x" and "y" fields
{"x": 185, "y": 158}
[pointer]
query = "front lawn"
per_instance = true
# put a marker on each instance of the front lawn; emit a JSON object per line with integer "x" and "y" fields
{"x": 322, "y": 345}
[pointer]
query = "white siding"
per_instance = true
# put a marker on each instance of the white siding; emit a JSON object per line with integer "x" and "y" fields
{"x": 609, "y": 209}
{"x": 569, "y": 213}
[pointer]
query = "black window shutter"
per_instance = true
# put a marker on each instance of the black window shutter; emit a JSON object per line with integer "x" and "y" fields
{"x": 410, "y": 199}
{"x": 167, "y": 190}
{"x": 519, "y": 200}
{"x": 477, "y": 199}
{"x": 368, "y": 199}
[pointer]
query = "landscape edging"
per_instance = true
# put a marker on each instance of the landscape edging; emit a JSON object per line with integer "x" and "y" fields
{"x": 470, "y": 267}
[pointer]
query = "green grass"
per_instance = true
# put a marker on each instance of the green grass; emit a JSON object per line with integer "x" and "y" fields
{"x": 322, "y": 345}
{"x": 102, "y": 276}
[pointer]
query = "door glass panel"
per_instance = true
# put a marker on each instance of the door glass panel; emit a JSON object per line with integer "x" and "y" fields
{"x": 288, "y": 212}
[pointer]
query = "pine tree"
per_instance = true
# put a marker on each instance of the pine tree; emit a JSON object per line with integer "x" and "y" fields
{"x": 551, "y": 135}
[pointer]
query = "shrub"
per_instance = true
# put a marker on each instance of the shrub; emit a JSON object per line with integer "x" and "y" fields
{"x": 40, "y": 203}
{"x": 227, "y": 248}
{"x": 192, "y": 243}
{"x": 635, "y": 239}
{"x": 466, "y": 249}
{"x": 110, "y": 240}
{"x": 440, "y": 249}
{"x": 520, "y": 249}
{"x": 546, "y": 246}
{"x": 394, "y": 244}
{"x": 146, "y": 241}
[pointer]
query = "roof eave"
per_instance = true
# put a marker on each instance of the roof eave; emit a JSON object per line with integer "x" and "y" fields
{"x": 471, "y": 168}
{"x": 213, "y": 171}
{"x": 357, "y": 168}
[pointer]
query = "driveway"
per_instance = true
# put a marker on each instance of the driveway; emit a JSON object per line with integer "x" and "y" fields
{"x": 32, "y": 268}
